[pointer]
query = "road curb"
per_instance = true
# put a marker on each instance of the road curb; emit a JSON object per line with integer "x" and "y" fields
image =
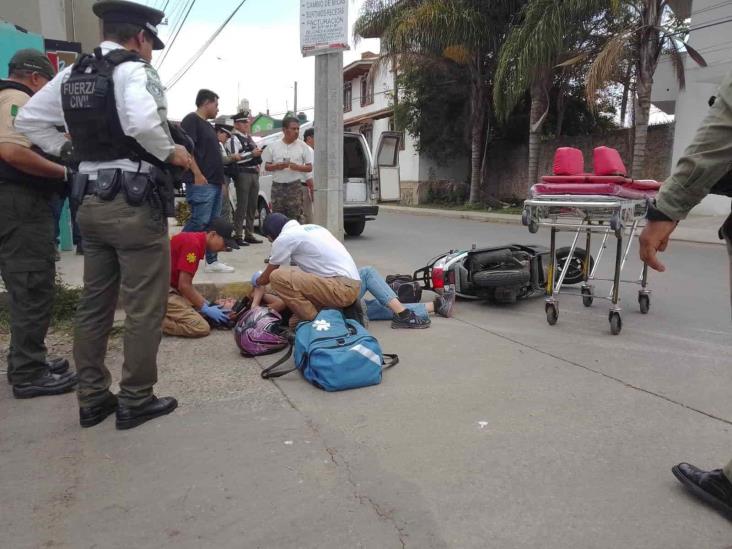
{"x": 680, "y": 235}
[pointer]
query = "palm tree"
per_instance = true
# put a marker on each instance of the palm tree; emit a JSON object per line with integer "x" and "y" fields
{"x": 547, "y": 33}
{"x": 649, "y": 34}
{"x": 467, "y": 31}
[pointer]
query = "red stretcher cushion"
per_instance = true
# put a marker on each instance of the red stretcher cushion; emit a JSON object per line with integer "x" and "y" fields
{"x": 568, "y": 161}
{"x": 586, "y": 178}
{"x": 607, "y": 161}
{"x": 584, "y": 189}
{"x": 645, "y": 184}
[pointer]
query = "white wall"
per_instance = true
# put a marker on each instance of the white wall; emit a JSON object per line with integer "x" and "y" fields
{"x": 714, "y": 45}
{"x": 382, "y": 84}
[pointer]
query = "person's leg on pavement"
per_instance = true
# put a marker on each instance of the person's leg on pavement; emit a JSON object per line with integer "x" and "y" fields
{"x": 182, "y": 320}
{"x": 95, "y": 311}
{"x": 305, "y": 294}
{"x": 200, "y": 200}
{"x": 401, "y": 316}
{"x": 252, "y": 192}
{"x": 217, "y": 201}
{"x": 242, "y": 197}
{"x": 227, "y": 212}
{"x": 143, "y": 247}
{"x": 28, "y": 269}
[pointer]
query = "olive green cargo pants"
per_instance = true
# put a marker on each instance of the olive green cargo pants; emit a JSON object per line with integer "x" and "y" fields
{"x": 125, "y": 248}
{"x": 28, "y": 269}
{"x": 727, "y": 232}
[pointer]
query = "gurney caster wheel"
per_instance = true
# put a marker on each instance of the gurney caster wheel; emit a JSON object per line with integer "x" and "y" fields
{"x": 552, "y": 313}
{"x": 616, "y": 323}
{"x": 587, "y": 297}
{"x": 644, "y": 301}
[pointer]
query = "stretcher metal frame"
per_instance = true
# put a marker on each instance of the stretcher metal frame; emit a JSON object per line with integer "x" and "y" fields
{"x": 590, "y": 214}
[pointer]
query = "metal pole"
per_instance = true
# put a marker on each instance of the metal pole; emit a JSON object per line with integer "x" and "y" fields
{"x": 328, "y": 204}
{"x": 294, "y": 108}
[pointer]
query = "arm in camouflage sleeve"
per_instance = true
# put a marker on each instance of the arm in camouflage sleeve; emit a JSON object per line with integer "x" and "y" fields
{"x": 705, "y": 160}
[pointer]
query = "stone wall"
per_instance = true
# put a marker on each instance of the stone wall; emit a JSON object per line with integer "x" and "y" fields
{"x": 507, "y": 163}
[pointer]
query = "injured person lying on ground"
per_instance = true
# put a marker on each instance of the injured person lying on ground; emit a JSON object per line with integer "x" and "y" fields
{"x": 188, "y": 313}
{"x": 385, "y": 306}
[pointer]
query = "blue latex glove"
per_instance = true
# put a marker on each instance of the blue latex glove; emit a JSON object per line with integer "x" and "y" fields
{"x": 215, "y": 313}
{"x": 255, "y": 278}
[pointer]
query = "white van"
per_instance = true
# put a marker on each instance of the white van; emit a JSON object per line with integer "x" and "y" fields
{"x": 360, "y": 177}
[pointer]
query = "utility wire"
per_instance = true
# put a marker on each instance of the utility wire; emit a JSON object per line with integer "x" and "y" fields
{"x": 170, "y": 46}
{"x": 192, "y": 61}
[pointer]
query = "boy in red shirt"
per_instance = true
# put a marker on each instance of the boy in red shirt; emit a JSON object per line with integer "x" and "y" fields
{"x": 186, "y": 307}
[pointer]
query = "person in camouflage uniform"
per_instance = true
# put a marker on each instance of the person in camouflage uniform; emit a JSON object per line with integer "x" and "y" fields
{"x": 705, "y": 168}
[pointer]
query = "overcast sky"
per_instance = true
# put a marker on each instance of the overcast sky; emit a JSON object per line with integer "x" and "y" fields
{"x": 258, "y": 52}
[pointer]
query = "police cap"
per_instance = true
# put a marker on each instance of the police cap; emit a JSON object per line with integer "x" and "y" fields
{"x": 121, "y": 11}
{"x": 31, "y": 60}
{"x": 241, "y": 116}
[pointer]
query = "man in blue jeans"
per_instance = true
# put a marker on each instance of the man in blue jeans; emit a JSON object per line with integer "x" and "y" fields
{"x": 205, "y": 180}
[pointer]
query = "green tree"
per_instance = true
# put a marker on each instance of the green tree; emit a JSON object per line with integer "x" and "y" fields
{"x": 470, "y": 32}
{"x": 547, "y": 33}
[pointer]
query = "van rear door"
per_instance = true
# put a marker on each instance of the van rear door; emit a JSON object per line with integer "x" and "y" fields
{"x": 387, "y": 164}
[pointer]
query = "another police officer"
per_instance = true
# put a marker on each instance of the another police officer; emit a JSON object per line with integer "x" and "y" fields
{"x": 27, "y": 242}
{"x": 115, "y": 110}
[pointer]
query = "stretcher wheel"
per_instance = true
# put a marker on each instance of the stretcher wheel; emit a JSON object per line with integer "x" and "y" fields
{"x": 616, "y": 323}
{"x": 552, "y": 313}
{"x": 644, "y": 301}
{"x": 525, "y": 218}
{"x": 587, "y": 297}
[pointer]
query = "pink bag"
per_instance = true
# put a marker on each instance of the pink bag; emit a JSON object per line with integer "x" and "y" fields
{"x": 259, "y": 332}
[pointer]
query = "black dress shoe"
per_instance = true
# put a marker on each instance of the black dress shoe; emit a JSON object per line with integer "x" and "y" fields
{"x": 46, "y": 385}
{"x": 89, "y": 416}
{"x": 252, "y": 240}
{"x": 711, "y": 487}
{"x": 58, "y": 365}
{"x": 240, "y": 241}
{"x": 127, "y": 417}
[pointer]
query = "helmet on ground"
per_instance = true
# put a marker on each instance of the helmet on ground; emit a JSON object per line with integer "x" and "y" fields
{"x": 259, "y": 332}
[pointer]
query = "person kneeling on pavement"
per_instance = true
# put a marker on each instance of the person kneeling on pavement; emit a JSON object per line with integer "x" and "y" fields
{"x": 386, "y": 306}
{"x": 188, "y": 311}
{"x": 327, "y": 275}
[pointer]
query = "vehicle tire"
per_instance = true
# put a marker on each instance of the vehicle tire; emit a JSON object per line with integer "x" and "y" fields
{"x": 355, "y": 227}
{"x": 263, "y": 212}
{"x": 574, "y": 273}
{"x": 501, "y": 279}
{"x": 484, "y": 260}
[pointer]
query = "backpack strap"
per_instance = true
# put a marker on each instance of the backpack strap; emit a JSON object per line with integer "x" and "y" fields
{"x": 389, "y": 361}
{"x": 269, "y": 372}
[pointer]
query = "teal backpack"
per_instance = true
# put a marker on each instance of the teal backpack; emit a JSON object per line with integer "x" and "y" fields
{"x": 335, "y": 353}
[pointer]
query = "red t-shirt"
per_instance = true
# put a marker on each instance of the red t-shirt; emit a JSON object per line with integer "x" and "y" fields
{"x": 186, "y": 250}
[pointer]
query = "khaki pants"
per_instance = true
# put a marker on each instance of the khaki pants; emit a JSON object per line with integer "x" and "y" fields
{"x": 182, "y": 320}
{"x": 247, "y": 195}
{"x": 305, "y": 294}
{"x": 127, "y": 251}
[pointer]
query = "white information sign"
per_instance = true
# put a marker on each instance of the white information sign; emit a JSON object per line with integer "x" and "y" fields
{"x": 323, "y": 26}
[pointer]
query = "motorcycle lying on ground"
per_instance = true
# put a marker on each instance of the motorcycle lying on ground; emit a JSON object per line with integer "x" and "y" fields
{"x": 501, "y": 274}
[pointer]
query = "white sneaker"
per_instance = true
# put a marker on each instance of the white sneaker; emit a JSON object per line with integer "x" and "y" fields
{"x": 218, "y": 267}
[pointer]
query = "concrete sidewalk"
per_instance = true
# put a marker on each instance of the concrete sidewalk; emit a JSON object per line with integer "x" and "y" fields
{"x": 699, "y": 229}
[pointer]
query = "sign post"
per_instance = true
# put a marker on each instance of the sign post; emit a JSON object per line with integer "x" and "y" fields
{"x": 324, "y": 33}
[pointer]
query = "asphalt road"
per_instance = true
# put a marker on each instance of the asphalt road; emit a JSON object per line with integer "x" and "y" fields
{"x": 495, "y": 430}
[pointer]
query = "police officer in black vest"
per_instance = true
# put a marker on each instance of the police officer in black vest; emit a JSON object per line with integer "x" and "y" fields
{"x": 27, "y": 241}
{"x": 114, "y": 107}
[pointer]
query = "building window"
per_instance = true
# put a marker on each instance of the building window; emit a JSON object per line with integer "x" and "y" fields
{"x": 347, "y": 97}
{"x": 367, "y": 91}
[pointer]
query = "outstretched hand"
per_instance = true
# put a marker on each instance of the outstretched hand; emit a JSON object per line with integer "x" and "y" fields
{"x": 654, "y": 239}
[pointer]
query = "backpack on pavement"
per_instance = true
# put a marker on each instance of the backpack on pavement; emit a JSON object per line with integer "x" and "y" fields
{"x": 335, "y": 353}
{"x": 405, "y": 287}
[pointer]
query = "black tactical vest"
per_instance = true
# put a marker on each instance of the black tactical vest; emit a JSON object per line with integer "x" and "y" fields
{"x": 90, "y": 109}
